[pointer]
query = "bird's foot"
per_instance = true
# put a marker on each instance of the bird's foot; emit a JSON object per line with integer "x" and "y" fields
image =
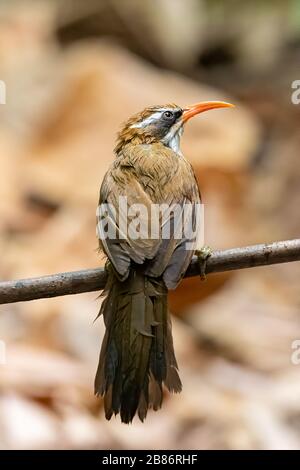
{"x": 203, "y": 254}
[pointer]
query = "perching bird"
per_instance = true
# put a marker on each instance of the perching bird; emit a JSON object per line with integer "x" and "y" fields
{"x": 137, "y": 355}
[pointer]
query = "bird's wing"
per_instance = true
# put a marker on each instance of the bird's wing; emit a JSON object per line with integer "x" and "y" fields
{"x": 123, "y": 220}
{"x": 155, "y": 177}
{"x": 177, "y": 248}
{"x": 182, "y": 221}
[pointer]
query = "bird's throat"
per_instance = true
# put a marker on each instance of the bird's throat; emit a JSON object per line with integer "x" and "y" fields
{"x": 172, "y": 139}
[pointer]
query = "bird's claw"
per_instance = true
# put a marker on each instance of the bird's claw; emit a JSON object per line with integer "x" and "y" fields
{"x": 203, "y": 254}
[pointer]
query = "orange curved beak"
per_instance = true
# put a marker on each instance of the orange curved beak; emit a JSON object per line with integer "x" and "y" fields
{"x": 198, "y": 108}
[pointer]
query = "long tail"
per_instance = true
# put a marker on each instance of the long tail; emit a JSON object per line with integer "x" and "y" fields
{"x": 137, "y": 354}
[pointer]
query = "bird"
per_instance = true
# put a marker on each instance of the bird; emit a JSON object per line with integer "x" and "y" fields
{"x": 137, "y": 359}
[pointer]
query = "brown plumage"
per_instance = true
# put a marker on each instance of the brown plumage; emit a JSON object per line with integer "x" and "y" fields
{"x": 137, "y": 355}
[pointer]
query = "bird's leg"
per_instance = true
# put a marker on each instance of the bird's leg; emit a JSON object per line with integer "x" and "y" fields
{"x": 203, "y": 254}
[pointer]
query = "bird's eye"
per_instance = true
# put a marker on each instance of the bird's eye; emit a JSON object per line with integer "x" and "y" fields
{"x": 168, "y": 115}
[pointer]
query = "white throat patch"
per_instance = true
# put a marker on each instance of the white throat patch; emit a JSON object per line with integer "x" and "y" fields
{"x": 172, "y": 139}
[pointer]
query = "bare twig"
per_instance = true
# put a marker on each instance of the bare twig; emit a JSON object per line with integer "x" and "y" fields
{"x": 90, "y": 280}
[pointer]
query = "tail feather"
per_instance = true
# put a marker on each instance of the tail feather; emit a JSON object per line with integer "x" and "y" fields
{"x": 137, "y": 354}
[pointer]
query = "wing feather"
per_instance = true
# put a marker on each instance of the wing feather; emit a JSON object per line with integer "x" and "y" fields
{"x": 149, "y": 175}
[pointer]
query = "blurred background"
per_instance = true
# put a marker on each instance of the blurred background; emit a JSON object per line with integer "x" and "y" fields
{"x": 73, "y": 72}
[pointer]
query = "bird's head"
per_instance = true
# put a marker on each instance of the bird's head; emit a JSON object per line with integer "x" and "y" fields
{"x": 162, "y": 124}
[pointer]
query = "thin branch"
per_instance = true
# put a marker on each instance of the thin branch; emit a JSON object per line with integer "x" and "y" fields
{"x": 90, "y": 280}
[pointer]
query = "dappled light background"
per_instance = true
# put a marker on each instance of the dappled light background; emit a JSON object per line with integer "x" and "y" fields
{"x": 73, "y": 72}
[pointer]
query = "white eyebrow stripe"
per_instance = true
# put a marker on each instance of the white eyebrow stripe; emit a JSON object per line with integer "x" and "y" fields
{"x": 156, "y": 115}
{"x": 153, "y": 117}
